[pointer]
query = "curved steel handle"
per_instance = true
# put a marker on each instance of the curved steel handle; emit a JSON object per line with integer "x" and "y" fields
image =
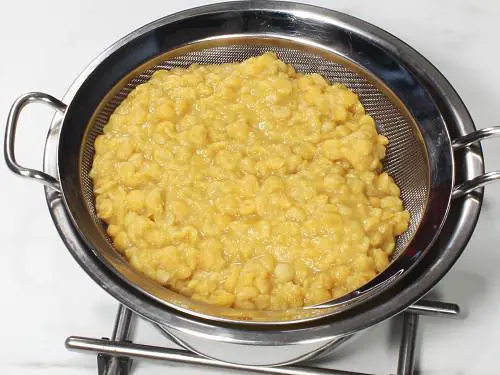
{"x": 479, "y": 181}
{"x": 10, "y": 136}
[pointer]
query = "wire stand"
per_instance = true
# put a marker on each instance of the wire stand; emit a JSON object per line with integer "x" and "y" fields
{"x": 114, "y": 356}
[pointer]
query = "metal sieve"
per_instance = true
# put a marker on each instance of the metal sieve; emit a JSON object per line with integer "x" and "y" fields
{"x": 388, "y": 76}
{"x": 405, "y": 143}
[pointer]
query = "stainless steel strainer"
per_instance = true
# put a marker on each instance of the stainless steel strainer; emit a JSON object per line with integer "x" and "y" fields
{"x": 396, "y": 93}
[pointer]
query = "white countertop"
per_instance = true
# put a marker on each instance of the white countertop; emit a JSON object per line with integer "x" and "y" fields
{"x": 47, "y": 297}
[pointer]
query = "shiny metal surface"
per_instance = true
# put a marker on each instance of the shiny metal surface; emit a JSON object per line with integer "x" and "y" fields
{"x": 285, "y": 355}
{"x": 328, "y": 351}
{"x": 475, "y": 183}
{"x": 123, "y": 324}
{"x": 479, "y": 181}
{"x": 406, "y": 361}
{"x": 86, "y": 344}
{"x": 434, "y": 308}
{"x": 422, "y": 307}
{"x": 258, "y": 355}
{"x": 10, "y": 136}
{"x": 121, "y": 333}
{"x": 478, "y": 135}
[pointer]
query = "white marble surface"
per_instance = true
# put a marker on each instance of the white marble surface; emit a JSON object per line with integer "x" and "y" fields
{"x": 46, "y": 296}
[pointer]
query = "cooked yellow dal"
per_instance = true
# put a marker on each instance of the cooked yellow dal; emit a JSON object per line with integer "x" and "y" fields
{"x": 247, "y": 185}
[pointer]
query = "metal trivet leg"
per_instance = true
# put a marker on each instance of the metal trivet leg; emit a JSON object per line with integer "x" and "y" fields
{"x": 406, "y": 360}
{"x": 115, "y": 355}
{"x": 112, "y": 365}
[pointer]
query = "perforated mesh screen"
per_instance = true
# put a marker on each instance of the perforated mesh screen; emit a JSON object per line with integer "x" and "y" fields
{"x": 404, "y": 147}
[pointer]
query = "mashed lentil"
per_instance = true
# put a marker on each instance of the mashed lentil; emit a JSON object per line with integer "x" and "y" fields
{"x": 247, "y": 185}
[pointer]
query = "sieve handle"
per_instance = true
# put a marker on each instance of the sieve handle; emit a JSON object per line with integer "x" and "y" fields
{"x": 10, "y": 136}
{"x": 479, "y": 181}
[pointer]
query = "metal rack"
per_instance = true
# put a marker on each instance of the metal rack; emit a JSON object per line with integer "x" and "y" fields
{"x": 114, "y": 356}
